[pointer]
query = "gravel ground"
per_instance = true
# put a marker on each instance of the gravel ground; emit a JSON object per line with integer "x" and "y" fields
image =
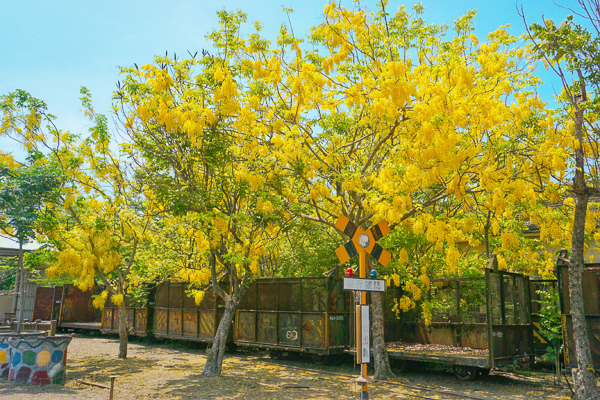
{"x": 173, "y": 371}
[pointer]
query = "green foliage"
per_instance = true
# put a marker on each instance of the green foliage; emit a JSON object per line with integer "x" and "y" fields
{"x": 8, "y": 272}
{"x": 37, "y": 261}
{"x": 308, "y": 249}
{"x": 24, "y": 194}
{"x": 550, "y": 320}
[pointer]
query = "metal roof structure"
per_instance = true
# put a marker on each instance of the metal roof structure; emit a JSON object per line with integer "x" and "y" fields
{"x": 10, "y": 247}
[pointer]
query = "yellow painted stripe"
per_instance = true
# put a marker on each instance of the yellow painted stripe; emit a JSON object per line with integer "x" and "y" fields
{"x": 541, "y": 339}
{"x": 342, "y": 254}
{"x": 537, "y": 325}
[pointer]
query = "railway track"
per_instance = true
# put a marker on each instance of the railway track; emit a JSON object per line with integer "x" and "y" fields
{"x": 412, "y": 391}
{"x": 416, "y": 391}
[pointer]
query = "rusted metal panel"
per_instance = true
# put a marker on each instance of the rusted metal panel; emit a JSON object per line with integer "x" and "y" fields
{"x": 160, "y": 320}
{"x": 289, "y": 329}
{"x": 190, "y": 323}
{"x": 289, "y": 296}
{"x": 141, "y": 319}
{"x": 162, "y": 295}
{"x": 175, "y": 295}
{"x": 78, "y": 306}
{"x": 58, "y": 292}
{"x": 474, "y": 336}
{"x": 314, "y": 295}
{"x": 174, "y": 322}
{"x": 44, "y": 299}
{"x": 246, "y": 326}
{"x": 591, "y": 289}
{"x": 591, "y": 285}
{"x": 338, "y": 329}
{"x": 248, "y": 301}
{"x": 107, "y": 319}
{"x": 208, "y": 302}
{"x": 337, "y": 297}
{"x": 267, "y": 327}
{"x": 188, "y": 301}
{"x": 207, "y": 324}
{"x": 267, "y": 295}
{"x": 130, "y": 312}
{"x": 313, "y": 330}
{"x": 116, "y": 318}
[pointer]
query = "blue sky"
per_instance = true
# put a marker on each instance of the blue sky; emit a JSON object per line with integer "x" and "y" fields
{"x": 51, "y": 48}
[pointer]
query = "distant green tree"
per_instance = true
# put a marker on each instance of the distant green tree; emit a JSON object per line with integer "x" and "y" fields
{"x": 307, "y": 249}
{"x": 26, "y": 191}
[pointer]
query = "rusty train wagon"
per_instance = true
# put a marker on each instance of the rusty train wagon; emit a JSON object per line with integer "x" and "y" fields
{"x": 476, "y": 324}
{"x": 68, "y": 305}
{"x": 177, "y": 316}
{"x": 137, "y": 318}
{"x": 303, "y": 315}
{"x": 591, "y": 305}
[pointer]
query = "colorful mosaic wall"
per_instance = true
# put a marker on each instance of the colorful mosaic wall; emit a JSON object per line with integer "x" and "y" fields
{"x": 4, "y": 357}
{"x": 5, "y": 349}
{"x": 37, "y": 360}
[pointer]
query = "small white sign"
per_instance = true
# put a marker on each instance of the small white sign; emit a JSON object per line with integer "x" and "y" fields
{"x": 365, "y": 335}
{"x": 362, "y": 284}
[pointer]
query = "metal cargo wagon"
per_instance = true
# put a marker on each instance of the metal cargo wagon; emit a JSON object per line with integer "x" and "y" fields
{"x": 304, "y": 315}
{"x": 476, "y": 324}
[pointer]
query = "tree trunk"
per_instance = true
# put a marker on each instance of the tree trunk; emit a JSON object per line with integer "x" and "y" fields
{"x": 380, "y": 355}
{"x": 214, "y": 358}
{"x": 584, "y": 380}
{"x": 21, "y": 287}
{"x": 16, "y": 298}
{"x": 123, "y": 330}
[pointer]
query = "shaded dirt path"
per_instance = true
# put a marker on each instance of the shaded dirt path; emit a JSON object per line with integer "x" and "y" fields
{"x": 172, "y": 371}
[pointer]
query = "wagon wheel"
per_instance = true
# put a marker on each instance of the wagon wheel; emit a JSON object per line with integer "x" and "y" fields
{"x": 319, "y": 359}
{"x": 400, "y": 365}
{"x": 275, "y": 354}
{"x": 464, "y": 372}
{"x": 231, "y": 348}
{"x": 483, "y": 371}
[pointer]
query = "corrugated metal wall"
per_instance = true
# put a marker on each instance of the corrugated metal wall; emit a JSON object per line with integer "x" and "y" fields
{"x": 29, "y": 296}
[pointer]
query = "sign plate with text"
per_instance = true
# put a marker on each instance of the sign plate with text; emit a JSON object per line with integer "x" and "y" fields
{"x": 365, "y": 347}
{"x": 362, "y": 284}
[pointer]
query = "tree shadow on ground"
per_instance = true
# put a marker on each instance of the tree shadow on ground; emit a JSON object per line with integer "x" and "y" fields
{"x": 100, "y": 369}
{"x": 250, "y": 384}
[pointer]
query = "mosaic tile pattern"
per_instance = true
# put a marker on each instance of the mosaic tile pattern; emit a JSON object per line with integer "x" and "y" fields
{"x": 37, "y": 360}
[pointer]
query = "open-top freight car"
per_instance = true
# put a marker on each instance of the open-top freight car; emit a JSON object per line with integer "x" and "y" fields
{"x": 591, "y": 307}
{"x": 177, "y": 316}
{"x": 169, "y": 313}
{"x": 71, "y": 307}
{"x": 476, "y": 324}
{"x": 138, "y": 318}
{"x": 303, "y": 315}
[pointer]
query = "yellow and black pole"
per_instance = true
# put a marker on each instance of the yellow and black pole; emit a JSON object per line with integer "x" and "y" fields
{"x": 362, "y": 242}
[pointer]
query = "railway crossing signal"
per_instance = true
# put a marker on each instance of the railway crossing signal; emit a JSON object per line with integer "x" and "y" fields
{"x": 362, "y": 242}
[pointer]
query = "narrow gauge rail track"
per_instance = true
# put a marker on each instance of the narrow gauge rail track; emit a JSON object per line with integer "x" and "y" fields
{"x": 413, "y": 388}
{"x": 416, "y": 391}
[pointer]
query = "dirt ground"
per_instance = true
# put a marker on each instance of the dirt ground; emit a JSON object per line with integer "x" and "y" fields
{"x": 173, "y": 371}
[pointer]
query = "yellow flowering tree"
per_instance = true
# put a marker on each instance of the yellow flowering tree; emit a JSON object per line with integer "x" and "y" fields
{"x": 202, "y": 127}
{"x": 383, "y": 117}
{"x": 103, "y": 215}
